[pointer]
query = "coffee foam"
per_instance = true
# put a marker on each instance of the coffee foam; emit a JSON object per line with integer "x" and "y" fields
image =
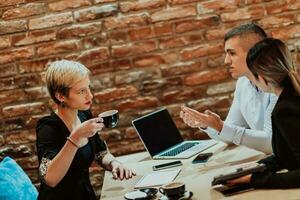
{"x": 173, "y": 185}
{"x": 108, "y": 113}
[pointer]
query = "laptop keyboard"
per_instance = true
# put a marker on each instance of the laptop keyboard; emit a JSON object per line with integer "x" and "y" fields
{"x": 180, "y": 149}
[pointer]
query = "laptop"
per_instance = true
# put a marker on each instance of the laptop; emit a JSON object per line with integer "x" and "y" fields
{"x": 163, "y": 140}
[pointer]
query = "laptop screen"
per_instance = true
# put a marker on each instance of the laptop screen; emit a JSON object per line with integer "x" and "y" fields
{"x": 157, "y": 131}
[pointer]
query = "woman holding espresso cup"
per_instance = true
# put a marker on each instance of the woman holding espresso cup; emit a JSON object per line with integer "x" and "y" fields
{"x": 67, "y": 140}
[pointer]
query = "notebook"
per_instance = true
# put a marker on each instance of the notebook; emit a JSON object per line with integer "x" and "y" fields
{"x": 163, "y": 140}
{"x": 158, "y": 178}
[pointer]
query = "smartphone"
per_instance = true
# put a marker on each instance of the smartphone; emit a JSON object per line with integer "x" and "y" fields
{"x": 202, "y": 157}
{"x": 167, "y": 165}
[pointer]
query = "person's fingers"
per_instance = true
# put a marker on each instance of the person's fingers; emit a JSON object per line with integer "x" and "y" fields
{"x": 121, "y": 174}
{"x": 127, "y": 174}
{"x": 211, "y": 113}
{"x": 114, "y": 173}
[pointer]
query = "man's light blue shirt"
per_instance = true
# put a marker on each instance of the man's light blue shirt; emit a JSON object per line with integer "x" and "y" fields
{"x": 249, "y": 119}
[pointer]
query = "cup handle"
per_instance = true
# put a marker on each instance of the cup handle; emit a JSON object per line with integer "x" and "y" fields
{"x": 161, "y": 190}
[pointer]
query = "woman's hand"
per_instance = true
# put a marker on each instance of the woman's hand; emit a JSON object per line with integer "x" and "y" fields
{"x": 119, "y": 171}
{"x": 87, "y": 129}
{"x": 242, "y": 180}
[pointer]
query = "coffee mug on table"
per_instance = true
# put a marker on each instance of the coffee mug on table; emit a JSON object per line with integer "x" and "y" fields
{"x": 173, "y": 189}
{"x": 110, "y": 118}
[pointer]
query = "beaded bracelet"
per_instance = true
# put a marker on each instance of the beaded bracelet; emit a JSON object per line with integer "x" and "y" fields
{"x": 72, "y": 142}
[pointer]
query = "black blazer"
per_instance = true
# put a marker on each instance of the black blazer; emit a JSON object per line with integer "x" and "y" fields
{"x": 285, "y": 143}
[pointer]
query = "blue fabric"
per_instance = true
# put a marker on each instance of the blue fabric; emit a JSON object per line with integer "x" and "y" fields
{"x": 14, "y": 183}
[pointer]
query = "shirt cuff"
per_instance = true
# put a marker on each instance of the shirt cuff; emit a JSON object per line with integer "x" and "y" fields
{"x": 230, "y": 134}
{"x": 212, "y": 133}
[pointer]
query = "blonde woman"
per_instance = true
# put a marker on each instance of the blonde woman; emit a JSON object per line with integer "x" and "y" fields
{"x": 273, "y": 71}
{"x": 67, "y": 140}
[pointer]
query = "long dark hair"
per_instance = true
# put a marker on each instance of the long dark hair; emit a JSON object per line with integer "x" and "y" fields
{"x": 271, "y": 59}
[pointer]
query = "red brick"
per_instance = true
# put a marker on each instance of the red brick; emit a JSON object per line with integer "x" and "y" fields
{"x": 173, "y": 13}
{"x": 123, "y": 64}
{"x": 292, "y": 5}
{"x": 24, "y": 109}
{"x": 34, "y": 65}
{"x": 35, "y": 93}
{"x": 16, "y": 54}
{"x": 137, "y": 104}
{"x": 141, "y": 5}
{"x": 162, "y": 29}
{"x": 148, "y": 61}
{"x": 94, "y": 55}
{"x": 277, "y": 21}
{"x": 8, "y": 70}
{"x": 24, "y": 11}
{"x": 177, "y": 2}
{"x": 276, "y": 7}
{"x": 102, "y": 81}
{"x": 79, "y": 30}
{"x": 113, "y": 94}
{"x": 20, "y": 137}
{"x": 171, "y": 97}
{"x": 216, "y": 34}
{"x": 95, "y": 41}
{"x": 119, "y": 36}
{"x": 12, "y": 26}
{"x": 140, "y": 33}
{"x": 285, "y": 33}
{"x": 66, "y": 4}
{"x": 207, "y": 77}
{"x": 51, "y": 20}
{"x": 58, "y": 47}
{"x": 133, "y": 76}
{"x": 28, "y": 162}
{"x": 33, "y": 37}
{"x": 254, "y": 12}
{"x": 133, "y": 49}
{"x": 2, "y": 140}
{"x": 31, "y": 120}
{"x": 20, "y": 81}
{"x": 211, "y": 103}
{"x": 173, "y": 42}
{"x": 130, "y": 133}
{"x": 153, "y": 87}
{"x": 221, "y": 88}
{"x": 100, "y": 68}
{"x": 11, "y": 96}
{"x": 216, "y": 60}
{"x": 214, "y": 6}
{"x": 200, "y": 23}
{"x": 104, "y": 1}
{"x": 95, "y": 12}
{"x": 126, "y": 21}
{"x": 16, "y": 123}
{"x": 200, "y": 51}
{"x": 4, "y": 42}
{"x": 182, "y": 68}
{"x": 10, "y": 2}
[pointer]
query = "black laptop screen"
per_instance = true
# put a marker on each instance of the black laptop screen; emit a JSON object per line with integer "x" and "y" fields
{"x": 158, "y": 131}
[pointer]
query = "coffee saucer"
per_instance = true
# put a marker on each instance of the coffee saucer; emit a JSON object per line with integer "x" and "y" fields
{"x": 187, "y": 195}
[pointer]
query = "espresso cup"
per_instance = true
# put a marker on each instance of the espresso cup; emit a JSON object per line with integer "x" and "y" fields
{"x": 173, "y": 189}
{"x": 110, "y": 118}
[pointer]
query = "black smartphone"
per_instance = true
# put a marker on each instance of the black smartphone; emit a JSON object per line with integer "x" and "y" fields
{"x": 167, "y": 165}
{"x": 202, "y": 157}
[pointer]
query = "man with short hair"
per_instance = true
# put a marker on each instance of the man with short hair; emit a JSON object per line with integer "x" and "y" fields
{"x": 249, "y": 119}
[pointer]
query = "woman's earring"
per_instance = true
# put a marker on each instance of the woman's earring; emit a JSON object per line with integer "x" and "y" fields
{"x": 62, "y": 104}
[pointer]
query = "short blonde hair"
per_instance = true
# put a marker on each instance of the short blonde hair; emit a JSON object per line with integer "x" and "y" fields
{"x": 62, "y": 75}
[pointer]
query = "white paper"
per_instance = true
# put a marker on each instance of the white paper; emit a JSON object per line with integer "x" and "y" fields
{"x": 157, "y": 178}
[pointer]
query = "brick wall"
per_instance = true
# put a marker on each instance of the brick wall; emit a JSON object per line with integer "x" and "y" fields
{"x": 143, "y": 54}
